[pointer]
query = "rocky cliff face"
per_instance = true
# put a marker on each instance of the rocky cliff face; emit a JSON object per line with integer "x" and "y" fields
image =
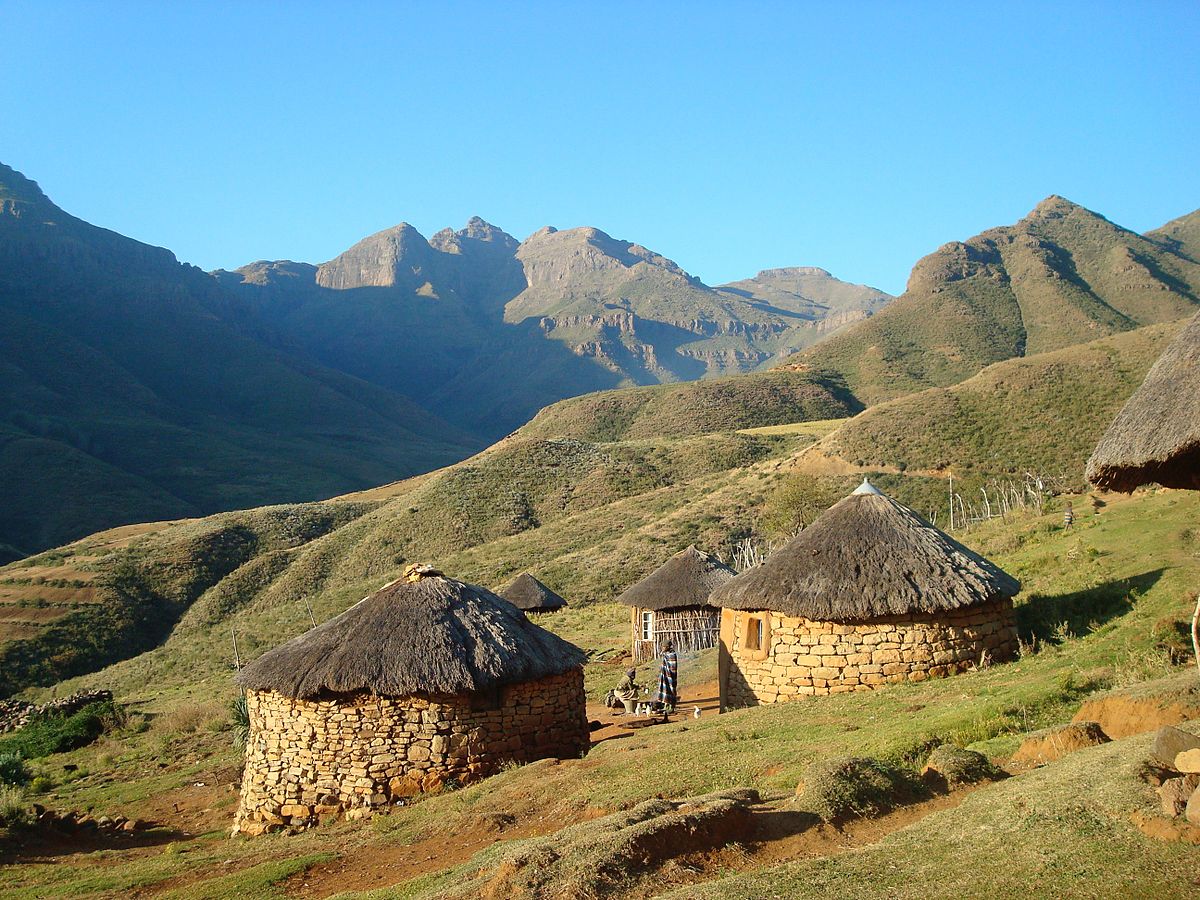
{"x": 489, "y": 329}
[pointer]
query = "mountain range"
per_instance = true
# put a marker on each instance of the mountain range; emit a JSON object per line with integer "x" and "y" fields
{"x": 135, "y": 388}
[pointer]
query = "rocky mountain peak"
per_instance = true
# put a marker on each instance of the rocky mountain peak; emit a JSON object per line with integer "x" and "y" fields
{"x": 397, "y": 255}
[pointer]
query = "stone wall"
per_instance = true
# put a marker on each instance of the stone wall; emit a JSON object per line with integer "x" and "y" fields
{"x": 310, "y": 759}
{"x": 804, "y": 657}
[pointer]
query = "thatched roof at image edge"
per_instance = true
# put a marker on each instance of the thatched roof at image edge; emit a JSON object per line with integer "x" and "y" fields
{"x": 434, "y": 635}
{"x": 865, "y": 558}
{"x": 686, "y": 579}
{"x": 1156, "y": 435}
{"x": 527, "y": 593}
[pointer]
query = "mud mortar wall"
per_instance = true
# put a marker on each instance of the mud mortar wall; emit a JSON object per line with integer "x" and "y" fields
{"x": 805, "y": 657}
{"x": 345, "y": 755}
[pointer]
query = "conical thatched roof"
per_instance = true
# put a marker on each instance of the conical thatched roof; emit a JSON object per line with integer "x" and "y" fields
{"x": 1156, "y": 436}
{"x": 867, "y": 557}
{"x": 434, "y": 635}
{"x": 686, "y": 579}
{"x": 527, "y": 593}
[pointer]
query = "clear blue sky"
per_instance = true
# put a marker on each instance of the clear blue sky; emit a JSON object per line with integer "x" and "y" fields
{"x": 729, "y": 137}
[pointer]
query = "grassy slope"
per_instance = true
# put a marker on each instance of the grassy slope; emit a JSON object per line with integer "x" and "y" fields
{"x": 678, "y": 410}
{"x": 588, "y": 518}
{"x": 1060, "y": 276}
{"x": 1107, "y": 581}
{"x": 1039, "y": 414}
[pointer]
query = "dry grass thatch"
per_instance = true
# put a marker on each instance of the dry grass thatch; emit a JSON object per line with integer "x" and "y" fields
{"x": 867, "y": 557}
{"x": 1156, "y": 435}
{"x": 686, "y": 579}
{"x": 434, "y": 635}
{"x": 527, "y": 593}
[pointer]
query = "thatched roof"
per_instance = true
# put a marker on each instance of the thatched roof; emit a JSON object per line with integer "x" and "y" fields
{"x": 1156, "y": 435}
{"x": 686, "y": 579}
{"x": 433, "y": 635}
{"x": 867, "y": 557}
{"x": 527, "y": 593}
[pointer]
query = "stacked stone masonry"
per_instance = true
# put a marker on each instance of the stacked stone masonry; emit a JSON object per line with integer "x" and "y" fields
{"x": 805, "y": 657}
{"x": 307, "y": 760}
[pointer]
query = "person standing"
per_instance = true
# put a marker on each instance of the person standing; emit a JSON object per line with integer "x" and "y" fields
{"x": 668, "y": 680}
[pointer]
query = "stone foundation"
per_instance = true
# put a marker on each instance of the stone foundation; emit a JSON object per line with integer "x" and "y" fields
{"x": 801, "y": 657}
{"x": 306, "y": 760}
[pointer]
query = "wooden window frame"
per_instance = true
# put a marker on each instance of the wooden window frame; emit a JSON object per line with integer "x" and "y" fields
{"x": 758, "y": 626}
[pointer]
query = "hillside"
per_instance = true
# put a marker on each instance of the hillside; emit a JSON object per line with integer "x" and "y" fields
{"x": 487, "y": 330}
{"x": 1041, "y": 414}
{"x": 592, "y": 494}
{"x": 678, "y": 410}
{"x": 1063, "y": 275}
{"x": 128, "y": 393}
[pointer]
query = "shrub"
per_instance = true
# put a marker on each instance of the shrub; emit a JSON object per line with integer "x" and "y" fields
{"x": 55, "y": 733}
{"x": 13, "y": 770}
{"x": 857, "y": 786}
{"x": 41, "y": 784}
{"x": 239, "y": 714}
{"x": 14, "y": 812}
{"x": 959, "y": 766}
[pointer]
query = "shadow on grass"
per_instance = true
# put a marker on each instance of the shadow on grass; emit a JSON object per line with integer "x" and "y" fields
{"x": 1052, "y": 619}
{"x": 48, "y": 842}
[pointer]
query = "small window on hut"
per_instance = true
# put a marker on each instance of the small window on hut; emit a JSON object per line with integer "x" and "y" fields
{"x": 757, "y": 636}
{"x": 487, "y": 699}
{"x": 647, "y": 625}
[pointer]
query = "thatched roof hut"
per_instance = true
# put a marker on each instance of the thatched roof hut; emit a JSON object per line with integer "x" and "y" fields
{"x": 869, "y": 594}
{"x": 1156, "y": 435}
{"x": 670, "y": 605}
{"x": 867, "y": 556}
{"x": 686, "y": 579}
{"x": 434, "y": 635}
{"x": 527, "y": 593}
{"x": 426, "y": 682}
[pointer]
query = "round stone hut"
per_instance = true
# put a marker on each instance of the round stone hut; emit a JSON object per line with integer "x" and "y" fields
{"x": 870, "y": 593}
{"x": 426, "y": 681}
{"x": 672, "y": 604}
{"x": 529, "y": 595}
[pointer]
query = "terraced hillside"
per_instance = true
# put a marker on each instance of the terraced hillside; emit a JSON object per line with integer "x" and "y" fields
{"x": 1063, "y": 275}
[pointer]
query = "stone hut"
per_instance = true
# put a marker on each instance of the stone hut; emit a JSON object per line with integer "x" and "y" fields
{"x": 672, "y": 604}
{"x": 426, "y": 681}
{"x": 528, "y": 594}
{"x": 869, "y": 594}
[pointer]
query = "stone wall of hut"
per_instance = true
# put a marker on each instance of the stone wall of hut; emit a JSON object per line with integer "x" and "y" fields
{"x": 802, "y": 657}
{"x": 307, "y": 760}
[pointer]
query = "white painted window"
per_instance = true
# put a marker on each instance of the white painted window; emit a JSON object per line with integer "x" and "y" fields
{"x": 647, "y": 625}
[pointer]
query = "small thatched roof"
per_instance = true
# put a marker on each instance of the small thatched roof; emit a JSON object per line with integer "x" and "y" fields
{"x": 431, "y": 635}
{"x": 527, "y": 593}
{"x": 1156, "y": 435}
{"x": 686, "y": 579}
{"x": 867, "y": 557}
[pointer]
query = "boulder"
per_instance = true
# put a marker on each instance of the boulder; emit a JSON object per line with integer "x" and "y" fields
{"x": 1050, "y": 744}
{"x": 1192, "y": 811}
{"x": 1175, "y": 793}
{"x": 1188, "y": 761}
{"x": 1169, "y": 743}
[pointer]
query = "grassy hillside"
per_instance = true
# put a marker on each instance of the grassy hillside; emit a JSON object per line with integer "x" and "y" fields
{"x": 1061, "y": 276}
{"x": 749, "y": 401}
{"x": 589, "y": 517}
{"x": 1093, "y": 597}
{"x": 129, "y": 393}
{"x": 1041, "y": 414}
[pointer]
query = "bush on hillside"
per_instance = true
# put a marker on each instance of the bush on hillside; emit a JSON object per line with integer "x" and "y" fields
{"x": 55, "y": 733}
{"x": 13, "y": 770}
{"x": 14, "y": 812}
{"x": 855, "y": 786}
{"x": 958, "y": 766}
